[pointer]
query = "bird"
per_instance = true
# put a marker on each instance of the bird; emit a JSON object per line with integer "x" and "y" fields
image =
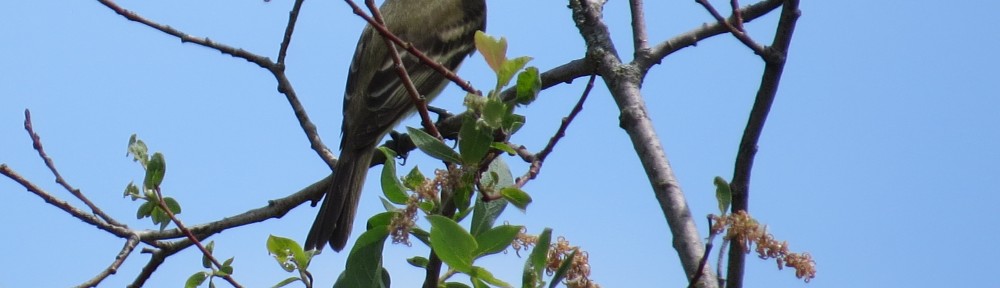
{"x": 375, "y": 99}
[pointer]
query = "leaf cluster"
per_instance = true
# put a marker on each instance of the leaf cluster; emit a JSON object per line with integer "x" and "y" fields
{"x": 155, "y": 167}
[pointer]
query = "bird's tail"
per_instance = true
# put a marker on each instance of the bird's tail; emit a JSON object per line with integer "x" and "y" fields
{"x": 336, "y": 215}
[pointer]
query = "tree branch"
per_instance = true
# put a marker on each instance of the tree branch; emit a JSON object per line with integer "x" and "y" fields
{"x": 158, "y": 257}
{"x": 36, "y": 142}
{"x": 775, "y": 64}
{"x": 623, "y": 81}
{"x": 190, "y": 236}
{"x": 704, "y": 258}
{"x": 737, "y": 31}
{"x": 691, "y": 38}
{"x": 130, "y": 245}
{"x": 275, "y": 209}
{"x": 640, "y": 38}
{"x": 539, "y": 158}
{"x": 293, "y": 17}
{"x": 88, "y": 218}
{"x": 277, "y": 69}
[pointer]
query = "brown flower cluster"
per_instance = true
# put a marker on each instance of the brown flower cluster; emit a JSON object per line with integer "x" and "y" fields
{"x": 523, "y": 241}
{"x": 743, "y": 230}
{"x": 404, "y": 221}
{"x": 578, "y": 275}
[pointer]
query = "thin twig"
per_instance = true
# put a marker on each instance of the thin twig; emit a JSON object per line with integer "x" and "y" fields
{"x": 155, "y": 260}
{"x": 718, "y": 263}
{"x": 413, "y": 50}
{"x": 63, "y": 205}
{"x": 130, "y": 245}
{"x": 705, "y": 31}
{"x": 737, "y": 14}
{"x": 190, "y": 236}
{"x": 36, "y": 142}
{"x": 418, "y": 101}
{"x": 274, "y": 209}
{"x": 539, "y": 158}
{"x": 293, "y": 17}
{"x": 736, "y": 31}
{"x": 261, "y": 61}
{"x": 284, "y": 85}
{"x": 523, "y": 152}
{"x": 704, "y": 258}
{"x": 566, "y": 121}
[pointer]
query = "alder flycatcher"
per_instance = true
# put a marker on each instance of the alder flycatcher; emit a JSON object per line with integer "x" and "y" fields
{"x": 376, "y": 100}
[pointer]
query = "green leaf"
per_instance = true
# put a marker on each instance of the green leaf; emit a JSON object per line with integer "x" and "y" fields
{"x": 132, "y": 191}
{"x": 529, "y": 83}
{"x": 229, "y": 263}
{"x": 452, "y": 243}
{"x": 563, "y": 268}
{"x": 474, "y": 139}
{"x": 427, "y": 206}
{"x": 421, "y": 235}
{"x": 536, "y": 261}
{"x": 389, "y": 207}
{"x": 460, "y": 215}
{"x": 504, "y": 147}
{"x": 364, "y": 264}
{"x": 463, "y": 193}
{"x": 145, "y": 210}
{"x": 474, "y": 102}
{"x": 517, "y": 197}
{"x": 160, "y": 217}
{"x": 512, "y": 123}
{"x": 284, "y": 250}
{"x": 196, "y": 279}
{"x": 494, "y": 50}
{"x": 174, "y": 206}
{"x": 226, "y": 269}
{"x": 455, "y": 285}
{"x": 381, "y": 219}
{"x": 509, "y": 68}
{"x": 414, "y": 179}
{"x": 494, "y": 112}
{"x": 138, "y": 150}
{"x": 495, "y": 240}
{"x": 499, "y": 174}
{"x": 154, "y": 171}
{"x": 485, "y": 214}
{"x": 723, "y": 194}
{"x": 432, "y": 146}
{"x": 391, "y": 187}
{"x": 205, "y": 261}
{"x": 285, "y": 282}
{"x": 417, "y": 261}
{"x": 485, "y": 275}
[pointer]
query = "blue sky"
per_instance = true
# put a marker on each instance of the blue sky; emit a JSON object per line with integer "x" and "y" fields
{"x": 879, "y": 157}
